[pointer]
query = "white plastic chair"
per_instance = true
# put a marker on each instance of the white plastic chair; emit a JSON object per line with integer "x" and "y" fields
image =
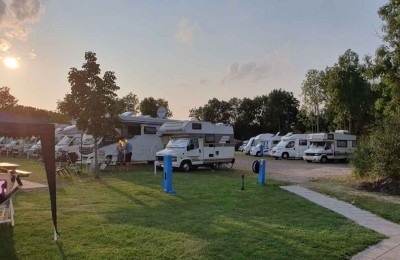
{"x": 6, "y": 204}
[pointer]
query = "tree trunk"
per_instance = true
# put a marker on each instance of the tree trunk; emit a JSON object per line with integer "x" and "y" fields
{"x": 96, "y": 160}
{"x": 317, "y": 112}
{"x": 350, "y": 125}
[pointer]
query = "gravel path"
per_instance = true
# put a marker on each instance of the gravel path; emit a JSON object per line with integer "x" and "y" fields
{"x": 293, "y": 170}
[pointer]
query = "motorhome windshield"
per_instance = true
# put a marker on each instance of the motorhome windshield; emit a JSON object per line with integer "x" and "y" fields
{"x": 66, "y": 140}
{"x": 178, "y": 143}
{"x": 317, "y": 145}
{"x": 282, "y": 144}
{"x": 87, "y": 139}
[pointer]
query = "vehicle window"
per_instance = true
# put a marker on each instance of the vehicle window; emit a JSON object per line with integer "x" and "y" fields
{"x": 275, "y": 142}
{"x": 76, "y": 141}
{"x": 210, "y": 138}
{"x": 133, "y": 130}
{"x": 150, "y": 130}
{"x": 196, "y": 126}
{"x": 290, "y": 144}
{"x": 195, "y": 143}
{"x": 302, "y": 142}
{"x": 341, "y": 143}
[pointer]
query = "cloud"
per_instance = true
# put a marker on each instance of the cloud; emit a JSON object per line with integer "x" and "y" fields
{"x": 273, "y": 65}
{"x": 186, "y": 31}
{"x": 16, "y": 18}
{"x": 32, "y": 54}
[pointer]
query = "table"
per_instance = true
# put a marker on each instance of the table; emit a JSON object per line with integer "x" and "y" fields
{"x": 9, "y": 166}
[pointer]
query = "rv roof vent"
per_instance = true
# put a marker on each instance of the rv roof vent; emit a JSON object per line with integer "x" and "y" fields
{"x": 127, "y": 113}
{"x": 219, "y": 124}
{"x": 342, "y": 131}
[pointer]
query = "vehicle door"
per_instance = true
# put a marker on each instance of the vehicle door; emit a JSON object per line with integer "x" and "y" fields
{"x": 301, "y": 147}
{"x": 194, "y": 151}
{"x": 290, "y": 149}
{"x": 330, "y": 150}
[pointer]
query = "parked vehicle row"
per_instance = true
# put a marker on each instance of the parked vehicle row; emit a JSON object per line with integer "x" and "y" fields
{"x": 320, "y": 147}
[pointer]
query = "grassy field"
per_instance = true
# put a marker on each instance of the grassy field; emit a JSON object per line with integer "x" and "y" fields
{"x": 126, "y": 215}
{"x": 344, "y": 188}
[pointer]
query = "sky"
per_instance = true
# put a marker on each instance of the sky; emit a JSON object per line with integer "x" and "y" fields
{"x": 186, "y": 52}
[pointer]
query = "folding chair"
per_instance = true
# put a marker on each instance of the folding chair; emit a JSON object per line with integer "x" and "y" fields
{"x": 7, "y": 192}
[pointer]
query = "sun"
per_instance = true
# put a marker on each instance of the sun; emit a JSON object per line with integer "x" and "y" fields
{"x": 11, "y": 62}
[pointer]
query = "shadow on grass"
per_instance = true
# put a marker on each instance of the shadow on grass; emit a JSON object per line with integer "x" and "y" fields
{"x": 259, "y": 222}
{"x": 7, "y": 250}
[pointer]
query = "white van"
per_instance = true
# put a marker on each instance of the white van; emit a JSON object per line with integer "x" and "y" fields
{"x": 248, "y": 146}
{"x": 290, "y": 146}
{"x": 194, "y": 143}
{"x": 69, "y": 144}
{"x": 267, "y": 144}
{"x": 330, "y": 146}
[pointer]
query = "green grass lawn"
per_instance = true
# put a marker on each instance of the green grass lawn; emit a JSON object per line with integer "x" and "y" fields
{"x": 127, "y": 216}
{"x": 344, "y": 188}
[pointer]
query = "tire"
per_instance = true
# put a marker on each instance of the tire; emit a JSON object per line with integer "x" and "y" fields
{"x": 285, "y": 156}
{"x": 258, "y": 154}
{"x": 324, "y": 159}
{"x": 256, "y": 166}
{"x": 215, "y": 166}
{"x": 186, "y": 166}
{"x": 309, "y": 161}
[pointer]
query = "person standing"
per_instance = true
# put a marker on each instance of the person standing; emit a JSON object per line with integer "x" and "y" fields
{"x": 128, "y": 154}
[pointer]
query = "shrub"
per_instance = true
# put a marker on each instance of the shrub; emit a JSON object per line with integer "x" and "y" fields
{"x": 378, "y": 154}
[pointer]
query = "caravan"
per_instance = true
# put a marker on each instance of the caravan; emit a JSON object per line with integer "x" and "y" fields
{"x": 141, "y": 131}
{"x": 194, "y": 143}
{"x": 332, "y": 146}
{"x": 265, "y": 144}
{"x": 290, "y": 146}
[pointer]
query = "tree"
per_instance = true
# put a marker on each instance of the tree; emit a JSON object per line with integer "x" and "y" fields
{"x": 7, "y": 101}
{"x": 92, "y": 101}
{"x": 385, "y": 67}
{"x": 313, "y": 91}
{"x": 130, "y": 103}
{"x": 350, "y": 98}
{"x": 283, "y": 108}
{"x": 149, "y": 106}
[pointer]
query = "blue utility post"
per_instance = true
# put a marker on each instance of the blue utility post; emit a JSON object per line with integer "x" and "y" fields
{"x": 167, "y": 176}
{"x": 261, "y": 173}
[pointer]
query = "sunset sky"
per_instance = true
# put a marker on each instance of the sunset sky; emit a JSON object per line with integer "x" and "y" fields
{"x": 184, "y": 51}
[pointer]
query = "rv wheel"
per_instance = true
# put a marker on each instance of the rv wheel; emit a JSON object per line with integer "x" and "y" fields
{"x": 258, "y": 154}
{"x": 285, "y": 156}
{"x": 324, "y": 159}
{"x": 185, "y": 166}
{"x": 215, "y": 166}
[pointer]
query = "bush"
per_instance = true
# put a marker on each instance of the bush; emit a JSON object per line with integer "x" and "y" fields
{"x": 378, "y": 154}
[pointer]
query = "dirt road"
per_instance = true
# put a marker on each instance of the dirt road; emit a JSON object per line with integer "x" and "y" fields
{"x": 293, "y": 170}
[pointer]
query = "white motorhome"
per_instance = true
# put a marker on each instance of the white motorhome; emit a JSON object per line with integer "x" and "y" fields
{"x": 267, "y": 142}
{"x": 70, "y": 140}
{"x": 140, "y": 131}
{"x": 195, "y": 143}
{"x": 248, "y": 146}
{"x": 290, "y": 146}
{"x": 330, "y": 146}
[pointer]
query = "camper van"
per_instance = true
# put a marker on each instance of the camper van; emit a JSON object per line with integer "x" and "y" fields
{"x": 248, "y": 146}
{"x": 141, "y": 131}
{"x": 330, "y": 146}
{"x": 69, "y": 144}
{"x": 290, "y": 146}
{"x": 265, "y": 144}
{"x": 194, "y": 143}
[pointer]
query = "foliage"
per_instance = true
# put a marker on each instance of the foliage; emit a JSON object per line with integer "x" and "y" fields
{"x": 349, "y": 96}
{"x": 7, "y": 101}
{"x": 274, "y": 112}
{"x": 314, "y": 92}
{"x": 384, "y": 68}
{"x": 378, "y": 154}
{"x": 149, "y": 106}
{"x": 92, "y": 101}
{"x": 130, "y": 103}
